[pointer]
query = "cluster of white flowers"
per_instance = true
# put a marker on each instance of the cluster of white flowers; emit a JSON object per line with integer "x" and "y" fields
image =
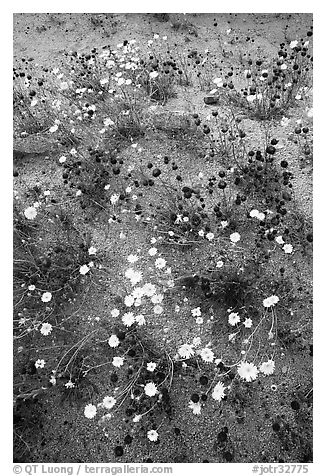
{"x": 256, "y": 214}
{"x": 249, "y": 372}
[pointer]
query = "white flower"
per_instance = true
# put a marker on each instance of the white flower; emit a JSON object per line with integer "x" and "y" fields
{"x": 268, "y": 367}
{"x": 234, "y": 318}
{"x": 152, "y": 251}
{"x": 254, "y": 213}
{"x": 54, "y": 128}
{"x": 234, "y": 237}
{"x": 218, "y": 391}
{"x": 199, "y": 320}
{"x": 70, "y": 384}
{"x": 115, "y": 312}
{"x": 224, "y": 224}
{"x": 46, "y": 329}
{"x": 109, "y": 402}
{"x": 196, "y": 341}
{"x": 64, "y": 86}
{"x": 157, "y": 298}
{"x": 149, "y": 289}
{"x": 195, "y": 407}
{"x": 158, "y": 309}
{"x": 247, "y": 323}
{"x": 160, "y": 263}
{"x": 261, "y": 216}
{"x": 90, "y": 411}
{"x": 247, "y": 371}
{"x": 150, "y": 389}
{"x": 117, "y": 361}
{"x": 31, "y": 287}
{"x": 288, "y": 248}
{"x": 153, "y": 74}
{"x": 132, "y": 258}
{"x": 201, "y": 233}
{"x": 279, "y": 240}
{"x": 153, "y": 240}
{"x": 40, "y": 363}
{"x": 136, "y": 418}
{"x": 46, "y": 297}
{"x": 62, "y": 159}
{"x": 113, "y": 341}
{"x": 207, "y": 355}
{"x": 138, "y": 292}
{"x": 219, "y": 264}
{"x": 134, "y": 276}
{"x": 196, "y": 312}
{"x": 152, "y": 435}
{"x": 92, "y": 250}
{"x": 30, "y": 213}
{"x": 285, "y": 121}
{"x": 270, "y": 301}
{"x": 232, "y": 337}
{"x": 210, "y": 236}
{"x": 140, "y": 320}
{"x": 293, "y": 44}
{"x": 151, "y": 366}
{"x": 284, "y": 66}
{"x": 84, "y": 269}
{"x": 128, "y": 319}
{"x": 129, "y": 301}
{"x": 186, "y": 351}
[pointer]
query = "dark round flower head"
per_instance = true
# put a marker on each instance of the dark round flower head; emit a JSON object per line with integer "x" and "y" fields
{"x": 228, "y": 456}
{"x": 270, "y": 150}
{"x": 276, "y": 426}
{"x": 128, "y": 439}
{"x": 203, "y": 380}
{"x": 156, "y": 172}
{"x": 195, "y": 398}
{"x": 295, "y": 405}
{"x": 222, "y": 184}
{"x": 118, "y": 451}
